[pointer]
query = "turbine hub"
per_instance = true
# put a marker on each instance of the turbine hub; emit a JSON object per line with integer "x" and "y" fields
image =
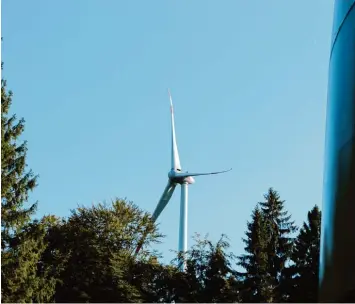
{"x": 178, "y": 177}
{"x": 172, "y": 174}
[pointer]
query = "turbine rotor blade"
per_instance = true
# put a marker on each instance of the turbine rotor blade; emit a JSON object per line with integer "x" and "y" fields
{"x": 186, "y": 174}
{"x": 164, "y": 200}
{"x": 175, "y": 159}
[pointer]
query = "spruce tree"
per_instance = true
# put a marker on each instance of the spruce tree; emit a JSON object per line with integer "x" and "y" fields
{"x": 16, "y": 182}
{"x": 21, "y": 239}
{"x": 304, "y": 272}
{"x": 280, "y": 241}
{"x": 256, "y": 281}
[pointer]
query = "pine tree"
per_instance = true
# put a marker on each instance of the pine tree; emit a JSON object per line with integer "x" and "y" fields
{"x": 305, "y": 257}
{"x": 21, "y": 239}
{"x": 280, "y": 241}
{"x": 257, "y": 284}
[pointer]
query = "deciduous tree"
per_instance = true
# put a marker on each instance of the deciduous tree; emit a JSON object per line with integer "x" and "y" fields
{"x": 94, "y": 249}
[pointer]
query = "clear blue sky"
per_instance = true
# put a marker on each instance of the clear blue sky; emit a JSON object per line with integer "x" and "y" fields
{"x": 249, "y": 83}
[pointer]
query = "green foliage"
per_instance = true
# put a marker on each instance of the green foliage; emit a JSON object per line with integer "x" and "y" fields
{"x": 257, "y": 284}
{"x": 280, "y": 241}
{"x": 93, "y": 252}
{"x": 22, "y": 241}
{"x": 268, "y": 249}
{"x": 155, "y": 282}
{"x": 16, "y": 182}
{"x": 304, "y": 272}
{"x": 20, "y": 281}
{"x": 209, "y": 276}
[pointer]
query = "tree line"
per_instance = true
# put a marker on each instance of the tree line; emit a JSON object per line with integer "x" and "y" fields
{"x": 89, "y": 256}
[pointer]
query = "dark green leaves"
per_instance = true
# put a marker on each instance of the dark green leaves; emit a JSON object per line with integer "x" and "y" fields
{"x": 21, "y": 239}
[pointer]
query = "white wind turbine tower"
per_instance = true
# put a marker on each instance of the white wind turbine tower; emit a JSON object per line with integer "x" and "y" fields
{"x": 176, "y": 176}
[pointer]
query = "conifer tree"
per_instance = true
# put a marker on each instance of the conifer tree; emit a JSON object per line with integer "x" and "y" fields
{"x": 21, "y": 239}
{"x": 256, "y": 281}
{"x": 280, "y": 241}
{"x": 305, "y": 257}
{"x": 16, "y": 182}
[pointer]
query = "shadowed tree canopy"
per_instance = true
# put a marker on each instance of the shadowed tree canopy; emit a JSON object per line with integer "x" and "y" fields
{"x": 256, "y": 279}
{"x": 268, "y": 249}
{"x": 209, "y": 276}
{"x": 280, "y": 241}
{"x": 93, "y": 251}
{"x": 305, "y": 256}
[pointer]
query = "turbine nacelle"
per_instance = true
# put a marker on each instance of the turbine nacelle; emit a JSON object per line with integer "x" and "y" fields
{"x": 190, "y": 180}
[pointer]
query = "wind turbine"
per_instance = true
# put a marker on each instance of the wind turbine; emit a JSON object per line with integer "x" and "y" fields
{"x": 176, "y": 176}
